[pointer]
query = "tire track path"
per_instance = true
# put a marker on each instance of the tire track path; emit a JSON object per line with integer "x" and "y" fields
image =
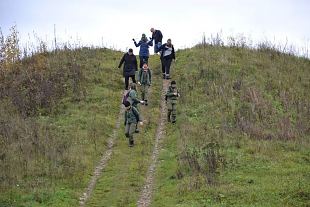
{"x": 104, "y": 159}
{"x": 146, "y": 194}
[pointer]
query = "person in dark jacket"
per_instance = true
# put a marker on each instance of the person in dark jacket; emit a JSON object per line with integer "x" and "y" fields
{"x": 157, "y": 36}
{"x": 132, "y": 117}
{"x": 144, "y": 49}
{"x": 167, "y": 55}
{"x": 130, "y": 67}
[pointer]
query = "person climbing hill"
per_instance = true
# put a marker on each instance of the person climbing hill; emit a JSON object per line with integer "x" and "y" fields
{"x": 157, "y": 36}
{"x": 132, "y": 117}
{"x": 144, "y": 49}
{"x": 130, "y": 67}
{"x": 145, "y": 81}
{"x": 167, "y": 55}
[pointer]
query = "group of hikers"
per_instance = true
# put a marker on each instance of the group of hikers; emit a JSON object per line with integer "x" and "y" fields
{"x": 144, "y": 76}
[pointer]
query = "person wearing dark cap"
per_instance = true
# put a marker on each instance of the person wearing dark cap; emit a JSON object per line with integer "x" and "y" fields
{"x": 167, "y": 55}
{"x": 132, "y": 117}
{"x": 144, "y": 49}
{"x": 130, "y": 67}
{"x": 157, "y": 36}
{"x": 172, "y": 96}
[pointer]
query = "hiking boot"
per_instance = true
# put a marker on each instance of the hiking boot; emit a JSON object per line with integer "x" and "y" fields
{"x": 168, "y": 78}
{"x": 131, "y": 143}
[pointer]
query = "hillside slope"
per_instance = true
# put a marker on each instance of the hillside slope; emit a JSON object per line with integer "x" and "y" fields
{"x": 241, "y": 137}
{"x": 57, "y": 113}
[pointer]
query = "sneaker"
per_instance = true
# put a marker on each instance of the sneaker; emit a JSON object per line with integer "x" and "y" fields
{"x": 168, "y": 78}
{"x": 164, "y": 76}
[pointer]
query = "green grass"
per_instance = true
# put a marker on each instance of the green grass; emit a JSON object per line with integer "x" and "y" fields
{"x": 84, "y": 127}
{"x": 255, "y": 171}
{"x": 253, "y": 104}
{"x": 124, "y": 176}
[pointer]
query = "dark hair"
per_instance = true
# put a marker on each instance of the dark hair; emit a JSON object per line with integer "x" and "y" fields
{"x": 130, "y": 50}
{"x": 173, "y": 82}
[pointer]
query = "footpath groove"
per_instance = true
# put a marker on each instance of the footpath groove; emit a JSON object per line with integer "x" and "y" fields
{"x": 146, "y": 194}
{"x": 103, "y": 161}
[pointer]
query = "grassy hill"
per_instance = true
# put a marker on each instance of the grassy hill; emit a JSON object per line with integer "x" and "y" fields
{"x": 241, "y": 138}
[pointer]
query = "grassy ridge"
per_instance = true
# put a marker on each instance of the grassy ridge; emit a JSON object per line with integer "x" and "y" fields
{"x": 242, "y": 137}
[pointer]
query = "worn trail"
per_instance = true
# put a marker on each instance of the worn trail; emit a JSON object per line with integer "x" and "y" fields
{"x": 146, "y": 194}
{"x": 103, "y": 161}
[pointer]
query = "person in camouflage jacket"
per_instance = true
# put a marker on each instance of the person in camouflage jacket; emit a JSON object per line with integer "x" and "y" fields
{"x": 145, "y": 81}
{"x": 172, "y": 96}
{"x": 132, "y": 117}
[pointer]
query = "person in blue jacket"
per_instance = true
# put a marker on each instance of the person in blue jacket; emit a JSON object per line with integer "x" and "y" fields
{"x": 144, "y": 45}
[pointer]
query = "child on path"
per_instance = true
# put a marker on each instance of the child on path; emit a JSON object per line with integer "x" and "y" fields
{"x": 133, "y": 99}
{"x": 145, "y": 81}
{"x": 132, "y": 117}
{"x": 172, "y": 96}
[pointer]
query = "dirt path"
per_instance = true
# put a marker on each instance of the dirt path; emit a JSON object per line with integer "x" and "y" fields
{"x": 103, "y": 161}
{"x": 146, "y": 194}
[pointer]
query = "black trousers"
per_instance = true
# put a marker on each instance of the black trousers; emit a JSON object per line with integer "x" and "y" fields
{"x": 143, "y": 59}
{"x": 166, "y": 63}
{"x": 133, "y": 78}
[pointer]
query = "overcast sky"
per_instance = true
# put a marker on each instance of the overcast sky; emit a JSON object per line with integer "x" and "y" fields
{"x": 114, "y": 23}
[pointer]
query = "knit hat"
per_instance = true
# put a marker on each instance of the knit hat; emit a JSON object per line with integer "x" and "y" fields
{"x": 127, "y": 103}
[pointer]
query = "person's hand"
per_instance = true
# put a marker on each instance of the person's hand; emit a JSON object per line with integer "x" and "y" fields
{"x": 175, "y": 94}
{"x": 179, "y": 95}
{"x": 139, "y": 83}
{"x": 175, "y": 60}
{"x": 133, "y": 39}
{"x": 141, "y": 123}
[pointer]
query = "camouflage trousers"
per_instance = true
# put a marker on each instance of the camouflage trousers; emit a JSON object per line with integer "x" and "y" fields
{"x": 172, "y": 112}
{"x": 144, "y": 92}
{"x": 129, "y": 131}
